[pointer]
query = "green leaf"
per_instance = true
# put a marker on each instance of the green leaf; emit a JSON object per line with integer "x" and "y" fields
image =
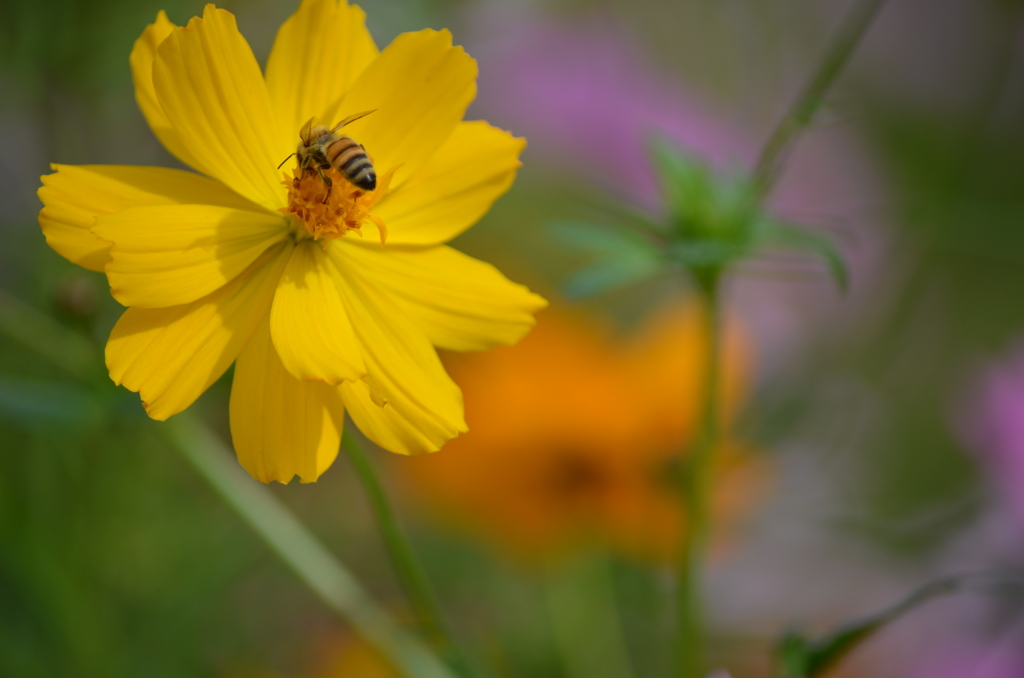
{"x": 599, "y": 239}
{"x": 704, "y": 203}
{"x": 678, "y": 166}
{"x": 800, "y": 657}
{"x": 609, "y": 209}
{"x": 610, "y": 273}
{"x": 794, "y": 653}
{"x": 802, "y": 239}
{"x": 831, "y": 649}
{"x": 621, "y": 257}
{"x": 704, "y": 253}
{"x": 686, "y": 183}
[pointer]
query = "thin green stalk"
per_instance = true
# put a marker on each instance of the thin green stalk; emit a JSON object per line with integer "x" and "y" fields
{"x": 810, "y": 98}
{"x": 410, "y": 572}
{"x": 696, "y": 490}
{"x": 278, "y": 527}
{"x": 585, "y": 622}
{"x": 299, "y": 549}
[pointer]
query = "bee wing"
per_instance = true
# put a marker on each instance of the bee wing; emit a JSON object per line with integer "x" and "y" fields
{"x": 306, "y": 131}
{"x": 351, "y": 118}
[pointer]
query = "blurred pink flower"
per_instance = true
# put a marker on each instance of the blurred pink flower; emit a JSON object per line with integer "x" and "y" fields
{"x": 590, "y": 102}
{"x": 994, "y": 427}
{"x": 963, "y": 659}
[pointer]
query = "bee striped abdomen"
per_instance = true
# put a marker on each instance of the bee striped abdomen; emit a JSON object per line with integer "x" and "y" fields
{"x": 349, "y": 158}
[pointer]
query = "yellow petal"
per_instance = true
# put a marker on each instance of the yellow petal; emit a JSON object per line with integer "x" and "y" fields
{"x": 211, "y": 90}
{"x": 141, "y": 60}
{"x": 308, "y": 322}
{"x": 75, "y": 195}
{"x": 281, "y": 426}
{"x": 472, "y": 169}
{"x": 385, "y": 425}
{"x": 171, "y": 355}
{"x": 420, "y": 87}
{"x": 318, "y": 52}
{"x": 175, "y": 254}
{"x": 461, "y": 303}
{"x": 402, "y": 367}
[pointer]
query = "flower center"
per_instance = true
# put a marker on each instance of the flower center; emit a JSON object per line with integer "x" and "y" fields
{"x": 329, "y": 212}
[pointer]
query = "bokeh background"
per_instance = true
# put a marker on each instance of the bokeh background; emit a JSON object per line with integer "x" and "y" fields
{"x": 876, "y": 437}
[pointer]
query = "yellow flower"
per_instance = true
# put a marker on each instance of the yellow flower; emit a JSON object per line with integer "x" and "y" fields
{"x": 237, "y": 264}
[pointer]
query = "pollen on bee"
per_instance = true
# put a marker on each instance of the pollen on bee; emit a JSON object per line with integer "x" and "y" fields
{"x": 328, "y": 214}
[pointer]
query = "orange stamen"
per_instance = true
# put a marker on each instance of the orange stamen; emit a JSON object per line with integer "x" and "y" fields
{"x": 345, "y": 208}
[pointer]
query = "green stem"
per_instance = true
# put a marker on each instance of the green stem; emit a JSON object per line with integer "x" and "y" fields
{"x": 585, "y": 623}
{"x": 300, "y": 550}
{"x": 410, "y": 572}
{"x": 810, "y": 98}
{"x": 285, "y": 535}
{"x": 696, "y": 490}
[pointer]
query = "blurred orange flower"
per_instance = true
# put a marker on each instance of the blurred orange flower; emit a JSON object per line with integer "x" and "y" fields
{"x": 573, "y": 434}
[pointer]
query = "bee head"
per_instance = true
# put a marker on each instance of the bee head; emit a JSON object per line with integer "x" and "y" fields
{"x": 310, "y": 132}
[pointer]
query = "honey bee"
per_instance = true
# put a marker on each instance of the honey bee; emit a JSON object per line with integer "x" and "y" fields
{"x": 321, "y": 148}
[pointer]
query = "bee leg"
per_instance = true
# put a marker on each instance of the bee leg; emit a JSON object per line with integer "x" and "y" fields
{"x": 327, "y": 180}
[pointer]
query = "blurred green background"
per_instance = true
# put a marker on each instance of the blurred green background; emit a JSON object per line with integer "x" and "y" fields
{"x": 117, "y": 560}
